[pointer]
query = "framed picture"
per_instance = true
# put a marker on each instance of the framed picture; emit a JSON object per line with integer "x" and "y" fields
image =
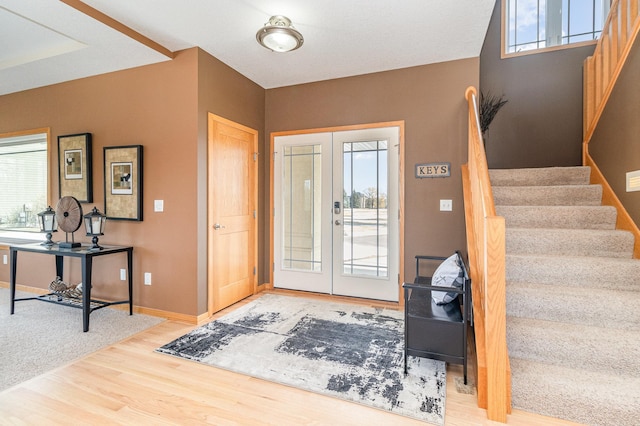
{"x": 123, "y": 182}
{"x": 74, "y": 167}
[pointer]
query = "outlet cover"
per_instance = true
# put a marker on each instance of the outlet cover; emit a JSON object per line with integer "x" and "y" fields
{"x": 446, "y": 205}
{"x": 147, "y": 278}
{"x": 123, "y": 274}
{"x": 4, "y": 259}
{"x": 158, "y": 205}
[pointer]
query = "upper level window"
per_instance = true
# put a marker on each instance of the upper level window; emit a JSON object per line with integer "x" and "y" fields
{"x": 531, "y": 25}
{"x": 23, "y": 182}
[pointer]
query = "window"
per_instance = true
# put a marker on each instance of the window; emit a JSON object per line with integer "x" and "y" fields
{"x": 23, "y": 182}
{"x": 531, "y": 25}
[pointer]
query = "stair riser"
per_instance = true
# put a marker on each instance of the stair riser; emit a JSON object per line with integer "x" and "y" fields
{"x": 571, "y": 195}
{"x": 546, "y": 176}
{"x": 576, "y": 395}
{"x": 582, "y": 306}
{"x": 595, "y": 217}
{"x": 614, "y": 274}
{"x": 579, "y": 243}
{"x": 591, "y": 348}
{"x": 571, "y": 335}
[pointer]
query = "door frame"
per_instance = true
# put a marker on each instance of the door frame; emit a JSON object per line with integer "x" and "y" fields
{"x": 400, "y": 125}
{"x": 211, "y": 302}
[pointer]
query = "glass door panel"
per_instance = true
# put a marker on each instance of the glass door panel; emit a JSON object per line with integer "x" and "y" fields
{"x": 365, "y": 231}
{"x": 302, "y": 185}
{"x": 302, "y": 196}
{"x": 365, "y": 209}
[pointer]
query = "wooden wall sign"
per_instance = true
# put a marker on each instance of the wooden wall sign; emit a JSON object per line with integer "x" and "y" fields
{"x": 433, "y": 170}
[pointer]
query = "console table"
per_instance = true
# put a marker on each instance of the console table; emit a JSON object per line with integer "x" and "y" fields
{"x": 86, "y": 255}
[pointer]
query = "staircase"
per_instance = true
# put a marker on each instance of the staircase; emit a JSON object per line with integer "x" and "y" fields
{"x": 573, "y": 298}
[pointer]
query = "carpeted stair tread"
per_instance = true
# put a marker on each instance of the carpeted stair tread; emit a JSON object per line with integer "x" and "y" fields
{"x": 590, "y": 347}
{"x": 573, "y": 298}
{"x": 574, "y": 217}
{"x": 575, "y": 394}
{"x": 564, "y": 195}
{"x": 596, "y": 272}
{"x": 578, "y": 175}
{"x": 618, "y": 310}
{"x": 578, "y": 242}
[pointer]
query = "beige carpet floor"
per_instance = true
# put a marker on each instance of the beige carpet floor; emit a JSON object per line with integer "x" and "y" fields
{"x": 573, "y": 293}
{"x": 42, "y": 336}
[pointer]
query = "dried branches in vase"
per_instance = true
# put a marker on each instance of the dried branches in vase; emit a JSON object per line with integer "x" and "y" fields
{"x": 489, "y": 107}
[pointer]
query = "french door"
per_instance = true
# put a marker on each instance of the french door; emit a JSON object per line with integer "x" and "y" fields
{"x": 336, "y": 212}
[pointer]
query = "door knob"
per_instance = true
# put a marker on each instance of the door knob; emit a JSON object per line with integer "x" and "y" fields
{"x": 337, "y": 222}
{"x": 218, "y": 226}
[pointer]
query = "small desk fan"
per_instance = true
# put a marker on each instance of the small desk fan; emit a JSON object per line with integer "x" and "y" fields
{"x": 69, "y": 217}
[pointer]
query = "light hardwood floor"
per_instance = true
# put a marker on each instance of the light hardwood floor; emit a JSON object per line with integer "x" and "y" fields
{"x": 129, "y": 384}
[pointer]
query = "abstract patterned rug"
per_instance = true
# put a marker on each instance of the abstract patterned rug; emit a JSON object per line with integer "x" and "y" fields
{"x": 346, "y": 351}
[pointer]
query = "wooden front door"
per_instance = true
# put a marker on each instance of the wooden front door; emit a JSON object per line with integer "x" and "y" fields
{"x": 232, "y": 215}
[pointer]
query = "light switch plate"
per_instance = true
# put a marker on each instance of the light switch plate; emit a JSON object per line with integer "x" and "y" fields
{"x": 633, "y": 181}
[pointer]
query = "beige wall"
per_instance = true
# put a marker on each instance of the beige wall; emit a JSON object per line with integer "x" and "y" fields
{"x": 224, "y": 92}
{"x": 430, "y": 99}
{"x": 615, "y": 145}
{"x": 162, "y": 107}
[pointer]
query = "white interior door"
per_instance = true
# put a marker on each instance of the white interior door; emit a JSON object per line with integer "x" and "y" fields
{"x": 336, "y": 213}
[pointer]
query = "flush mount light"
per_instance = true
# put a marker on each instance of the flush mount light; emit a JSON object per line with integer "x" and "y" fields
{"x": 279, "y": 35}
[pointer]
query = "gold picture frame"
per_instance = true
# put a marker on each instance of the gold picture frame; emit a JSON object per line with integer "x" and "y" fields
{"x": 123, "y": 182}
{"x": 75, "y": 173}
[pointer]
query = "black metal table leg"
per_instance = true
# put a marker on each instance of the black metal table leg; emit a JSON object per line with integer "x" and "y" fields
{"x": 130, "y": 272}
{"x": 12, "y": 280}
{"x": 60, "y": 267}
{"x": 86, "y": 292}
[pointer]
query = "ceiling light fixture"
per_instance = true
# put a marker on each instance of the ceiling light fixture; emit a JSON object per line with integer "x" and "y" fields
{"x": 279, "y": 35}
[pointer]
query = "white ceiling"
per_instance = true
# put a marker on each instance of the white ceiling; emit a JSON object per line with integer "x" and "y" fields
{"x": 45, "y": 42}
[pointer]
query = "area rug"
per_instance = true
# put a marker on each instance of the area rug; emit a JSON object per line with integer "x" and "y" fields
{"x": 346, "y": 351}
{"x": 42, "y": 336}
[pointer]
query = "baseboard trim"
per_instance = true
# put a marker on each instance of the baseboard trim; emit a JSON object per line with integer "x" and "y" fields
{"x": 609, "y": 198}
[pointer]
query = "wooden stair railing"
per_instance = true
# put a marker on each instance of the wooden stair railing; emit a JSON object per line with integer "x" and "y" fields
{"x": 486, "y": 250}
{"x": 600, "y": 73}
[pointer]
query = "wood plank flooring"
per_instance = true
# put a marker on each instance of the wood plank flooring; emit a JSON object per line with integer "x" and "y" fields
{"x": 129, "y": 384}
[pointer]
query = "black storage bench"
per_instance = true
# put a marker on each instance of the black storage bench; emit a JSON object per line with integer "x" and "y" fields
{"x": 431, "y": 330}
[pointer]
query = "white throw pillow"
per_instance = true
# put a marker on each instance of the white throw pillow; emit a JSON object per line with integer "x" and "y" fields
{"x": 448, "y": 274}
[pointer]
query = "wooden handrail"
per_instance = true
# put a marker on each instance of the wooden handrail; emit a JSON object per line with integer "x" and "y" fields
{"x": 486, "y": 250}
{"x": 601, "y": 70}
{"x": 600, "y": 73}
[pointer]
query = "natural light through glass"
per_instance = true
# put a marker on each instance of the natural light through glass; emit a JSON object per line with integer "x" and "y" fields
{"x": 301, "y": 247}
{"x": 365, "y": 209}
{"x": 23, "y": 182}
{"x": 538, "y": 24}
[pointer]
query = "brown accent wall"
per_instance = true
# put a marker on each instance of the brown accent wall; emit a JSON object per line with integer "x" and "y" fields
{"x": 162, "y": 107}
{"x": 430, "y": 99}
{"x": 615, "y": 144}
{"x": 541, "y": 125}
{"x": 226, "y": 93}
